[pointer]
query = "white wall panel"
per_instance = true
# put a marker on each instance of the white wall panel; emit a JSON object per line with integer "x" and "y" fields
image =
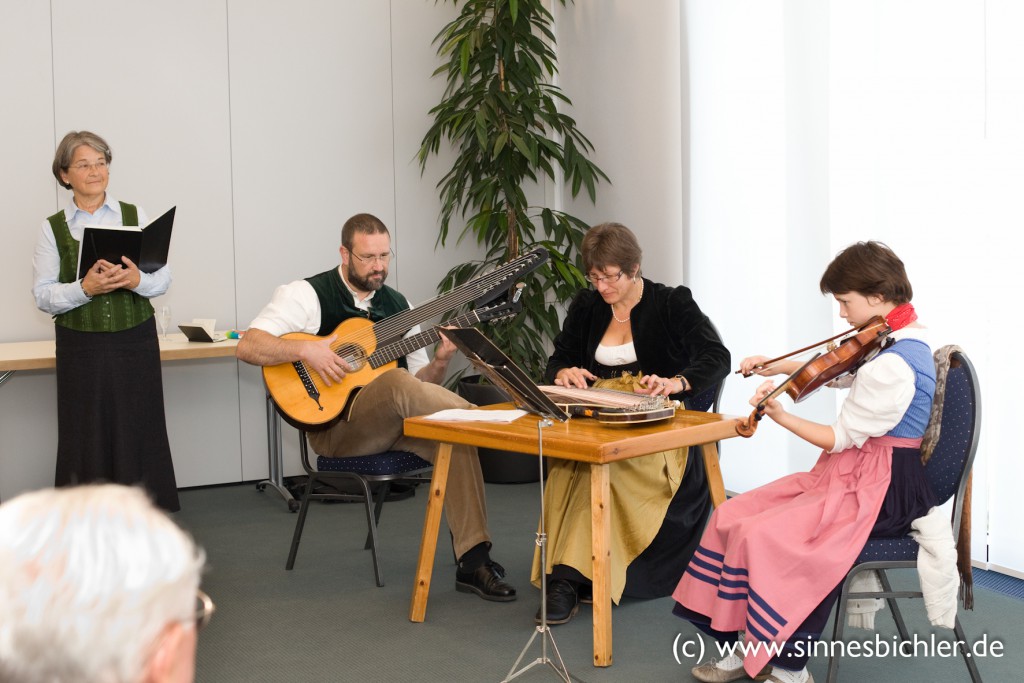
{"x": 28, "y": 432}
{"x": 419, "y": 268}
{"x": 26, "y": 81}
{"x": 619, "y": 64}
{"x": 311, "y": 133}
{"x": 153, "y": 83}
{"x": 156, "y": 89}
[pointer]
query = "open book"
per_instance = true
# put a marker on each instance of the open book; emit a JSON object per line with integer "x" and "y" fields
{"x": 147, "y": 247}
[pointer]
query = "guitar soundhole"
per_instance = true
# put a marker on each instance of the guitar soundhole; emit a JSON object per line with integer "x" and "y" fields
{"x": 354, "y": 355}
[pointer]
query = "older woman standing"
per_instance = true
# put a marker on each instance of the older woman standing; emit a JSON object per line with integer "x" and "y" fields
{"x": 110, "y": 405}
{"x": 627, "y": 323}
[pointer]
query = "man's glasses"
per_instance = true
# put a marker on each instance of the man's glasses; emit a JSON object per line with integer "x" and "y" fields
{"x": 610, "y": 279}
{"x": 82, "y": 166}
{"x": 204, "y": 609}
{"x": 373, "y": 258}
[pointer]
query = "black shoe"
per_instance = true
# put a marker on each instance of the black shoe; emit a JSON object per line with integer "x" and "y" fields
{"x": 487, "y": 581}
{"x": 586, "y": 593}
{"x": 563, "y": 602}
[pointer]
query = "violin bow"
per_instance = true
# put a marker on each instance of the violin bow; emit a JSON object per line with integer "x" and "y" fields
{"x": 853, "y": 330}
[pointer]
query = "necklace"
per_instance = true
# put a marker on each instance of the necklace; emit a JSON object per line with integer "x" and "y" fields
{"x": 639, "y": 296}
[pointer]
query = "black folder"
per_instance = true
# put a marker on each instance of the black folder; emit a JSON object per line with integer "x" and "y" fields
{"x": 147, "y": 247}
{"x": 492, "y": 363}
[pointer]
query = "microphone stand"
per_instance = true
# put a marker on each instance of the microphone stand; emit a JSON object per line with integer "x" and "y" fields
{"x": 542, "y": 629}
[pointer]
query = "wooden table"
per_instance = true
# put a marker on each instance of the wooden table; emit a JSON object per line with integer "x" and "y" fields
{"x": 579, "y": 439}
{"x": 40, "y": 355}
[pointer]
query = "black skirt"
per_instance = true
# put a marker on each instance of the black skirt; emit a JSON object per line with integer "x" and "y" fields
{"x": 110, "y": 411}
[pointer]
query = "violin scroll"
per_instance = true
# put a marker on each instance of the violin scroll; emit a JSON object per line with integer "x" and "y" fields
{"x": 747, "y": 428}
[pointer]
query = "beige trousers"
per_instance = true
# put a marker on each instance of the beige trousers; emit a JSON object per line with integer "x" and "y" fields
{"x": 375, "y": 425}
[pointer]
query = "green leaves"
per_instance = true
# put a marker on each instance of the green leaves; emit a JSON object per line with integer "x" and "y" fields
{"x": 502, "y": 116}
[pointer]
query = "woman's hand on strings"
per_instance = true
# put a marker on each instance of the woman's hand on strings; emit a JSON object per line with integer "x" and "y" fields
{"x": 574, "y": 377}
{"x": 660, "y": 386}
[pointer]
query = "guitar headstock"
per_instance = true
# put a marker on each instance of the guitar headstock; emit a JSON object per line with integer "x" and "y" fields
{"x": 502, "y": 311}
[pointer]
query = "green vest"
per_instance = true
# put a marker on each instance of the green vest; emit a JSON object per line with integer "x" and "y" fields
{"x": 338, "y": 305}
{"x": 115, "y": 311}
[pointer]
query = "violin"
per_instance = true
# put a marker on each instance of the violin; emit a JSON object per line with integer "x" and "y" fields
{"x": 856, "y": 347}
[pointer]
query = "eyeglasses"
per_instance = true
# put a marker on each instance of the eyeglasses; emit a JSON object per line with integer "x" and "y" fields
{"x": 81, "y": 166}
{"x": 372, "y": 258}
{"x": 204, "y": 609}
{"x": 610, "y": 279}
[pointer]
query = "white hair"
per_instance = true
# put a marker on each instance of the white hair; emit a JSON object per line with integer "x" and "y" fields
{"x": 89, "y": 578}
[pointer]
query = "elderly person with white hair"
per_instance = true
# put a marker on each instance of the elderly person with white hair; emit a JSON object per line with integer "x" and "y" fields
{"x": 97, "y": 586}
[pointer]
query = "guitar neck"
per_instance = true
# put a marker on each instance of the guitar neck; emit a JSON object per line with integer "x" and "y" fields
{"x": 406, "y": 345}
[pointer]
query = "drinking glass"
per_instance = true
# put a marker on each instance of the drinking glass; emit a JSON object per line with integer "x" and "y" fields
{"x": 164, "y": 319}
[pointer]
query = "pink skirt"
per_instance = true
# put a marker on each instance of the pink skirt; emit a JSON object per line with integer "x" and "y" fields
{"x": 769, "y": 556}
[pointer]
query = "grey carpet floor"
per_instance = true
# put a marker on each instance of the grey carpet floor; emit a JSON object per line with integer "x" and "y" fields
{"x": 326, "y": 620}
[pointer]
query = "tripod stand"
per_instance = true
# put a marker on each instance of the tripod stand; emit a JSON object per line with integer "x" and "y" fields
{"x": 542, "y": 630}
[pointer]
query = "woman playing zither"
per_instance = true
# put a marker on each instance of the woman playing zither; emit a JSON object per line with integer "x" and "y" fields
{"x": 627, "y": 323}
{"x": 771, "y": 560}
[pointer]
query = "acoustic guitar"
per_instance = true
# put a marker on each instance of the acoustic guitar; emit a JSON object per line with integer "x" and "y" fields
{"x": 305, "y": 400}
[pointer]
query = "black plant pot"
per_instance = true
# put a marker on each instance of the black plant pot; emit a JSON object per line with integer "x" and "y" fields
{"x": 499, "y": 467}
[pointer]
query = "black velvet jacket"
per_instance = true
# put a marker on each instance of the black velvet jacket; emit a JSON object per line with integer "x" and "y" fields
{"x": 671, "y": 335}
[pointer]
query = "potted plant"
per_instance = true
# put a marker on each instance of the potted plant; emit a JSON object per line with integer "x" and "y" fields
{"x": 507, "y": 123}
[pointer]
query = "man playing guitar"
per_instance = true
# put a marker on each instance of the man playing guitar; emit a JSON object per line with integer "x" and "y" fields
{"x": 282, "y": 334}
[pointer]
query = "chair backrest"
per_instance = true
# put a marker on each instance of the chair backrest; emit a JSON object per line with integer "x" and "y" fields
{"x": 711, "y": 397}
{"x": 953, "y": 455}
{"x": 708, "y": 399}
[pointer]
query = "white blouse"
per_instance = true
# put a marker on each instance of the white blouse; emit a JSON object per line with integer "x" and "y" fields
{"x": 623, "y": 354}
{"x": 880, "y": 394}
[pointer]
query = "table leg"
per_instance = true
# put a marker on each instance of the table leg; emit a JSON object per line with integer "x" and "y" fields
{"x": 275, "y": 458}
{"x": 431, "y": 524}
{"x": 601, "y": 545}
{"x": 714, "y": 473}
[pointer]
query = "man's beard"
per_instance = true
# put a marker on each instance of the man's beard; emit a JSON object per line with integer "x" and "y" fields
{"x": 365, "y": 284}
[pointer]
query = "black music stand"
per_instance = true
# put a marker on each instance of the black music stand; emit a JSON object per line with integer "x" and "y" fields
{"x": 493, "y": 364}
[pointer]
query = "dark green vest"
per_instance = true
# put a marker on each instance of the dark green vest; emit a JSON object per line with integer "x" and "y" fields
{"x": 115, "y": 311}
{"x": 338, "y": 305}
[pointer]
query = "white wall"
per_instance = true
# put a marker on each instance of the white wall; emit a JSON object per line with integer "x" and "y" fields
{"x": 631, "y": 112}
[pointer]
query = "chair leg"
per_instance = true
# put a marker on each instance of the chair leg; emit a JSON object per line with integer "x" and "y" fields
{"x": 832, "y": 675}
{"x": 372, "y": 523}
{"x": 894, "y": 609}
{"x": 382, "y": 495}
{"x": 972, "y": 667}
{"x": 300, "y": 522}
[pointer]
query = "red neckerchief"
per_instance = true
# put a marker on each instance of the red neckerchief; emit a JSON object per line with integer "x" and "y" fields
{"x": 901, "y": 316}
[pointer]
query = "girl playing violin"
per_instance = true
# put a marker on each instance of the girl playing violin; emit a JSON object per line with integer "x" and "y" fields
{"x": 772, "y": 560}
